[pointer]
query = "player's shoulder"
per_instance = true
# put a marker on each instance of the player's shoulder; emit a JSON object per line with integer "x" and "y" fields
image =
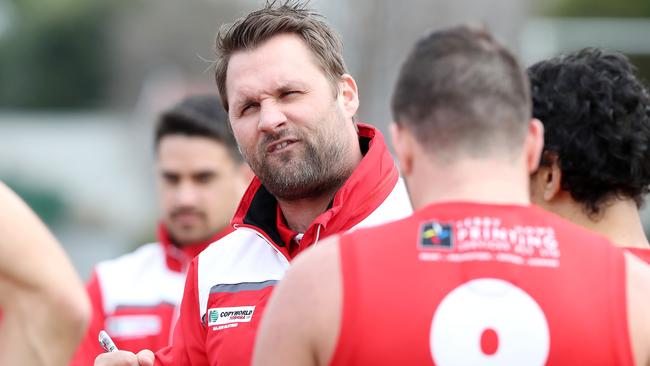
{"x": 145, "y": 256}
{"x": 242, "y": 241}
{"x": 315, "y": 273}
{"x": 324, "y": 254}
{"x": 241, "y": 256}
{"x": 563, "y": 226}
{"x": 385, "y": 230}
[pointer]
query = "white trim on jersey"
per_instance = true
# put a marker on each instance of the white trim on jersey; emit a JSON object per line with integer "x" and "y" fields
{"x": 140, "y": 278}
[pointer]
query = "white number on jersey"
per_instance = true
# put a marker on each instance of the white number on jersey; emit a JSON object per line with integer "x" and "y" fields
{"x": 489, "y": 321}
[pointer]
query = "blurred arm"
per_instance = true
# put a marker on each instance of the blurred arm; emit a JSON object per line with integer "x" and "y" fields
{"x": 90, "y": 347}
{"x": 45, "y": 307}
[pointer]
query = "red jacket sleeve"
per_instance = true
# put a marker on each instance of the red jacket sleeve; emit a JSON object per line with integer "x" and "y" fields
{"x": 188, "y": 343}
{"x": 89, "y": 347}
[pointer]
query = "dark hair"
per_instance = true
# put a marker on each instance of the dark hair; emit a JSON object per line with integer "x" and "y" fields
{"x": 291, "y": 17}
{"x": 596, "y": 116}
{"x": 463, "y": 93}
{"x": 199, "y": 115}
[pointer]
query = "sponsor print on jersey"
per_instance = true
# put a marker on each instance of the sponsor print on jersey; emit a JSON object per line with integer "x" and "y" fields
{"x": 488, "y": 239}
{"x": 434, "y": 235}
{"x": 222, "y": 318}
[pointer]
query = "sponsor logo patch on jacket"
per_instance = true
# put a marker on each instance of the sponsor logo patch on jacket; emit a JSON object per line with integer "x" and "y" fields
{"x": 220, "y": 317}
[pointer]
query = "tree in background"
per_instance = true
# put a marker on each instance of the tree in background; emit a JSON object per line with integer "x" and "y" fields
{"x": 54, "y": 55}
{"x": 608, "y": 9}
{"x": 601, "y": 8}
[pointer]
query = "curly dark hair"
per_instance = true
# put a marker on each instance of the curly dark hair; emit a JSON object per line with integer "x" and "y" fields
{"x": 596, "y": 115}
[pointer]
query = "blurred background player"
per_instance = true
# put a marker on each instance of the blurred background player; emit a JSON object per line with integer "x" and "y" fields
{"x": 477, "y": 275}
{"x": 595, "y": 168}
{"x": 44, "y": 309}
{"x": 201, "y": 178}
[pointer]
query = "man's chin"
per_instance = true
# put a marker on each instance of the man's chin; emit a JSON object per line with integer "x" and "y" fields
{"x": 184, "y": 237}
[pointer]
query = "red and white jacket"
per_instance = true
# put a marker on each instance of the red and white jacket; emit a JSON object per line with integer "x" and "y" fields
{"x": 643, "y": 253}
{"x": 229, "y": 283}
{"x": 136, "y": 297}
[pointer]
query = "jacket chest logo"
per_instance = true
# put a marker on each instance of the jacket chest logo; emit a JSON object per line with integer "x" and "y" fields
{"x": 222, "y": 318}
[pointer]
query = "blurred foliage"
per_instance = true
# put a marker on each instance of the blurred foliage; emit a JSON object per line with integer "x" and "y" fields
{"x": 46, "y": 202}
{"x": 54, "y": 56}
{"x": 642, "y": 64}
{"x": 600, "y": 8}
{"x": 607, "y": 9}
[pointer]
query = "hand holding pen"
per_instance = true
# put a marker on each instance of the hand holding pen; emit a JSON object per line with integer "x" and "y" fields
{"x": 106, "y": 342}
{"x": 115, "y": 357}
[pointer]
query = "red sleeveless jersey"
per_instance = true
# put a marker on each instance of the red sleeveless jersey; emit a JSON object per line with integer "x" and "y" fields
{"x": 473, "y": 284}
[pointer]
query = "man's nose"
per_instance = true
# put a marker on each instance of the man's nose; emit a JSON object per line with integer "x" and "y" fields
{"x": 271, "y": 116}
{"x": 187, "y": 194}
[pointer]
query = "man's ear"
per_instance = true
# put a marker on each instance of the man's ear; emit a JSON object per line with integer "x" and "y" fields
{"x": 534, "y": 144}
{"x": 549, "y": 177}
{"x": 401, "y": 140}
{"x": 349, "y": 95}
{"x": 554, "y": 183}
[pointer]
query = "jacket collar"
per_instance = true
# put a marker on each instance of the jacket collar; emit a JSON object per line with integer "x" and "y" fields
{"x": 177, "y": 257}
{"x": 368, "y": 186}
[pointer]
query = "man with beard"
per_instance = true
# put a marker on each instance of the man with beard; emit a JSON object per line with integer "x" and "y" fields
{"x": 477, "y": 275}
{"x": 595, "y": 169}
{"x": 291, "y": 105}
{"x": 201, "y": 177}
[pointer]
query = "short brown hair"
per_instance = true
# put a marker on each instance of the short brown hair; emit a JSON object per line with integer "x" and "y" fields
{"x": 462, "y": 93}
{"x": 289, "y": 17}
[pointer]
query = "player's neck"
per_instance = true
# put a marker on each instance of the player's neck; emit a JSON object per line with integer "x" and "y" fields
{"x": 301, "y": 213}
{"x": 620, "y": 222}
{"x": 470, "y": 180}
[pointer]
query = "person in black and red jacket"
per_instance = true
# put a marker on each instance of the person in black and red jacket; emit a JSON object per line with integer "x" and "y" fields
{"x": 292, "y": 108}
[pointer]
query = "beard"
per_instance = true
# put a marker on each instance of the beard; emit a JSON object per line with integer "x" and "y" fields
{"x": 184, "y": 233}
{"x": 317, "y": 165}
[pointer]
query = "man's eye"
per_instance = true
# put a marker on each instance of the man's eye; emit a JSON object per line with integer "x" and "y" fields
{"x": 171, "y": 179}
{"x": 248, "y": 107}
{"x": 288, "y": 93}
{"x": 205, "y": 177}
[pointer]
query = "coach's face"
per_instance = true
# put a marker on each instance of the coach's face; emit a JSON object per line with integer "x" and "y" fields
{"x": 293, "y": 125}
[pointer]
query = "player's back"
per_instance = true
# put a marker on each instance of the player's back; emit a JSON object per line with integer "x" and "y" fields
{"x": 469, "y": 284}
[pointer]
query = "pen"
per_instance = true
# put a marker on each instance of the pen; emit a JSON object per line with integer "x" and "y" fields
{"x": 106, "y": 342}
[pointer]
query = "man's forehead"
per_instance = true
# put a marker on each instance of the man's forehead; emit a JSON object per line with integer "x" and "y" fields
{"x": 273, "y": 63}
{"x": 193, "y": 167}
{"x": 272, "y": 85}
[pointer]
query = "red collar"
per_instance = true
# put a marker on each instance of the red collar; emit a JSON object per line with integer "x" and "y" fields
{"x": 179, "y": 257}
{"x": 286, "y": 234}
{"x": 368, "y": 186}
